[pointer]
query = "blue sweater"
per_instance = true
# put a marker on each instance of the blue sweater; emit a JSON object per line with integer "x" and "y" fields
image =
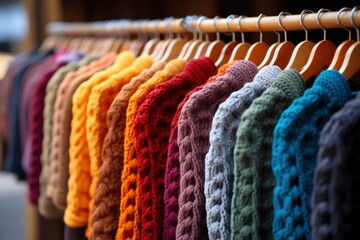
{"x": 294, "y": 152}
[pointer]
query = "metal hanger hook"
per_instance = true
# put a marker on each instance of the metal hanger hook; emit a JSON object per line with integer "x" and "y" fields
{"x": 339, "y": 22}
{"x": 198, "y": 27}
{"x": 258, "y": 26}
{"x": 322, "y": 10}
{"x": 353, "y": 22}
{"x": 232, "y": 16}
{"x": 215, "y": 28}
{"x": 302, "y": 16}
{"x": 281, "y": 15}
{"x": 168, "y": 27}
{"x": 239, "y": 27}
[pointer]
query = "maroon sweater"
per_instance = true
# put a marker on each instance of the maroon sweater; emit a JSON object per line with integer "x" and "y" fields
{"x": 152, "y": 131}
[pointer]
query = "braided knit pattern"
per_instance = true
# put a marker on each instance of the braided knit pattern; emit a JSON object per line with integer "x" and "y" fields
{"x": 193, "y": 139}
{"x": 252, "y": 211}
{"x": 219, "y": 161}
{"x": 36, "y": 131}
{"x": 106, "y": 212}
{"x": 336, "y": 199}
{"x": 64, "y": 129}
{"x": 45, "y": 205}
{"x": 77, "y": 210}
{"x": 99, "y": 103}
{"x": 294, "y": 153}
{"x": 152, "y": 131}
{"x": 129, "y": 223}
{"x": 172, "y": 171}
{"x": 55, "y": 189}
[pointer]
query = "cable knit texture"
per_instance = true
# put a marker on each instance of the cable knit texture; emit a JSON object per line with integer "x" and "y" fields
{"x": 129, "y": 222}
{"x": 64, "y": 129}
{"x": 45, "y": 205}
{"x": 335, "y": 199}
{"x": 219, "y": 161}
{"x": 152, "y": 130}
{"x": 294, "y": 152}
{"x": 252, "y": 208}
{"x": 99, "y": 103}
{"x": 193, "y": 139}
{"x": 106, "y": 212}
{"x": 36, "y": 128}
{"x": 172, "y": 171}
{"x": 77, "y": 211}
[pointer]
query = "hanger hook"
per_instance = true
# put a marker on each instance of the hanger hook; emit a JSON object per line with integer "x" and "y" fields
{"x": 232, "y": 16}
{"x": 168, "y": 28}
{"x": 258, "y": 26}
{"x": 198, "y": 23}
{"x": 339, "y": 22}
{"x": 319, "y": 20}
{"x": 302, "y": 16}
{"x": 239, "y": 27}
{"x": 353, "y": 22}
{"x": 215, "y": 28}
{"x": 281, "y": 15}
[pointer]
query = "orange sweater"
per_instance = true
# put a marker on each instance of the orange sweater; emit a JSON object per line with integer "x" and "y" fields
{"x": 77, "y": 211}
{"x": 129, "y": 222}
{"x": 99, "y": 103}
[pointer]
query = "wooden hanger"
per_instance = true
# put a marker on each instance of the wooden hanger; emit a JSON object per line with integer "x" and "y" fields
{"x": 201, "y": 50}
{"x": 302, "y": 51}
{"x": 215, "y": 47}
{"x": 239, "y": 52}
{"x": 197, "y": 41}
{"x": 320, "y": 56}
{"x": 343, "y": 47}
{"x": 351, "y": 63}
{"x": 228, "y": 48}
{"x": 283, "y": 52}
{"x": 270, "y": 53}
{"x": 257, "y": 51}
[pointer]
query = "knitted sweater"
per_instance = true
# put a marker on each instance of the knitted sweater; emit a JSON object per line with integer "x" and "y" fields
{"x": 294, "y": 153}
{"x": 193, "y": 139}
{"x": 106, "y": 212}
{"x": 172, "y": 171}
{"x": 152, "y": 130}
{"x": 251, "y": 210}
{"x": 219, "y": 161}
{"x": 99, "y": 103}
{"x": 36, "y": 125}
{"x": 335, "y": 199}
{"x": 61, "y": 129}
{"x": 45, "y": 204}
{"x": 129, "y": 222}
{"x": 77, "y": 211}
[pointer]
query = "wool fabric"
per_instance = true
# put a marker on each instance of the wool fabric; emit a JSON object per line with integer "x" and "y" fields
{"x": 334, "y": 202}
{"x": 152, "y": 131}
{"x": 77, "y": 210}
{"x": 106, "y": 211}
{"x": 99, "y": 103}
{"x": 36, "y": 126}
{"x": 172, "y": 171}
{"x": 45, "y": 205}
{"x": 129, "y": 222}
{"x": 252, "y": 209}
{"x": 62, "y": 124}
{"x": 294, "y": 152}
{"x": 14, "y": 150}
{"x": 193, "y": 139}
{"x": 219, "y": 161}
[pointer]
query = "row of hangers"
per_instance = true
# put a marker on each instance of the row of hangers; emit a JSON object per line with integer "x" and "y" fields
{"x": 307, "y": 57}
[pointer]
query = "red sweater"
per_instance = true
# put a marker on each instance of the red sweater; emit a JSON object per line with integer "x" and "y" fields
{"x": 152, "y": 131}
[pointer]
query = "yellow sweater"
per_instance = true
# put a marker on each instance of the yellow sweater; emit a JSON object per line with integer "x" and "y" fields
{"x": 99, "y": 103}
{"x": 77, "y": 211}
{"x": 129, "y": 222}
